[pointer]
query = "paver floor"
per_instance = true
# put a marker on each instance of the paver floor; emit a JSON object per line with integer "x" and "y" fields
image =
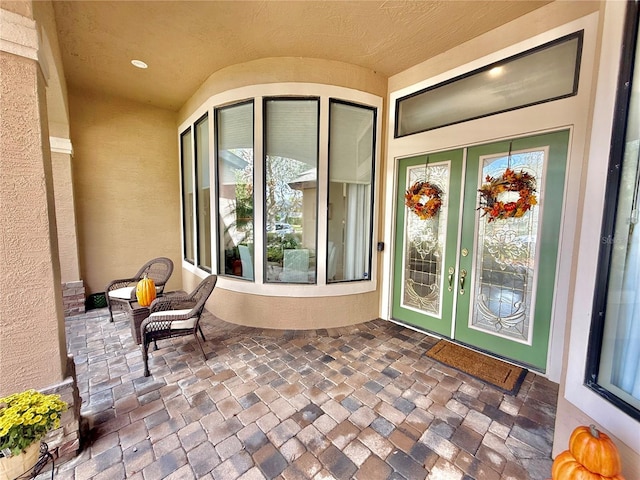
{"x": 360, "y": 402}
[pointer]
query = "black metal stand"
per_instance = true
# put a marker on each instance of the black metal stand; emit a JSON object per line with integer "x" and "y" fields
{"x": 43, "y": 459}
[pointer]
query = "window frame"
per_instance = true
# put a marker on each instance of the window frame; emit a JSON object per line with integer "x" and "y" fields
{"x": 566, "y": 38}
{"x": 614, "y": 175}
{"x": 256, "y": 93}
{"x": 287, "y": 98}
{"x": 374, "y": 161}
{"x": 182, "y": 134}
{"x": 216, "y": 172}
{"x": 196, "y": 181}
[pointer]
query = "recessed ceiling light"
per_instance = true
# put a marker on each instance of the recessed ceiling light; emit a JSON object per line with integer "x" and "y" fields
{"x": 139, "y": 64}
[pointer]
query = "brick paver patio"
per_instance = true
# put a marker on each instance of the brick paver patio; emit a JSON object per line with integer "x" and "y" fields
{"x": 361, "y": 402}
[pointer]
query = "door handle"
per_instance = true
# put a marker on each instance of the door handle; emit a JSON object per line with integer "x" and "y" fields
{"x": 463, "y": 276}
{"x": 451, "y": 272}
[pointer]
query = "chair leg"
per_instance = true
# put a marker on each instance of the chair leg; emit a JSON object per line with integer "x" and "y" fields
{"x": 155, "y": 344}
{"x": 200, "y": 328}
{"x": 204, "y": 355}
{"x": 109, "y": 308}
{"x": 145, "y": 356}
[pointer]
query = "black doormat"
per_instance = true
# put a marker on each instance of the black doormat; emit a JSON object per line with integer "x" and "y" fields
{"x": 503, "y": 375}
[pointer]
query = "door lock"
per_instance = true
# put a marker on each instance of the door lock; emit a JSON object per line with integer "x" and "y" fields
{"x": 451, "y": 272}
{"x": 463, "y": 276}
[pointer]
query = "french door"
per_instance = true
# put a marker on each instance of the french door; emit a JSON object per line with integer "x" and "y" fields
{"x": 464, "y": 274}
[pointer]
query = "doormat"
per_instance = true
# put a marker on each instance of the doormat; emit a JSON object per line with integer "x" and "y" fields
{"x": 502, "y": 375}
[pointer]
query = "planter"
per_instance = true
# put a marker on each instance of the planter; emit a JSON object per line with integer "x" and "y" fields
{"x": 16, "y": 465}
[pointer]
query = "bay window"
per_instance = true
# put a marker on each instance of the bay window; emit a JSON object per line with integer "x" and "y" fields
{"x": 293, "y": 180}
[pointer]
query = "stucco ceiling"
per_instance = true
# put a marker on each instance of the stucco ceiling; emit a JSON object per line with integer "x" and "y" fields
{"x": 184, "y": 42}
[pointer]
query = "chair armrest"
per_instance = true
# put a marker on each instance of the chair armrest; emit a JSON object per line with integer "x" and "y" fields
{"x": 162, "y": 321}
{"x": 175, "y": 302}
{"x": 122, "y": 282}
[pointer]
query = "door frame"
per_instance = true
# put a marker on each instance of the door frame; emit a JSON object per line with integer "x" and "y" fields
{"x": 570, "y": 113}
{"x": 462, "y": 222}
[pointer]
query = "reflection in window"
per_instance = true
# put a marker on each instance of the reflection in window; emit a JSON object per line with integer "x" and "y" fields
{"x": 614, "y": 355}
{"x": 290, "y": 175}
{"x": 187, "y": 195}
{"x": 203, "y": 203}
{"x": 351, "y": 147}
{"x": 235, "y": 189}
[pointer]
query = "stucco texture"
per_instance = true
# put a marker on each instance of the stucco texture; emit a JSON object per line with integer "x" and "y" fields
{"x": 32, "y": 340}
{"x": 284, "y": 313}
{"x": 127, "y": 187}
{"x": 286, "y": 69}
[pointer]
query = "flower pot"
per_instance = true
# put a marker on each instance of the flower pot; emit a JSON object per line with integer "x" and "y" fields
{"x": 16, "y": 465}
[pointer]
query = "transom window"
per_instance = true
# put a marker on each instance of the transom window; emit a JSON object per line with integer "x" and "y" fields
{"x": 542, "y": 74}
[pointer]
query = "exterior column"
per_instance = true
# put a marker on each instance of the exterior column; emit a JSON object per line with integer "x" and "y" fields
{"x": 73, "y": 294}
{"x": 33, "y": 344}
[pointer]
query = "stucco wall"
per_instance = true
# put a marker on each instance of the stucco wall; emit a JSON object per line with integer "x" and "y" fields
{"x": 286, "y": 69}
{"x": 288, "y": 312}
{"x": 126, "y": 180}
{"x": 30, "y": 293}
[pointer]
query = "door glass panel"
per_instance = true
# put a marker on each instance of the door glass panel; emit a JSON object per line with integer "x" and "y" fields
{"x": 424, "y": 243}
{"x": 505, "y": 256}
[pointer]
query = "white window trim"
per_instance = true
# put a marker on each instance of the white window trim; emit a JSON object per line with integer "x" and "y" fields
{"x": 258, "y": 92}
{"x": 602, "y": 411}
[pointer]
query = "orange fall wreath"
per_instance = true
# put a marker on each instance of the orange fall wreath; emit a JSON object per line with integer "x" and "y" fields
{"x": 424, "y": 199}
{"x": 509, "y": 181}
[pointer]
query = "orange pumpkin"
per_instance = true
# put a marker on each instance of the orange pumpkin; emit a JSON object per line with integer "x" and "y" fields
{"x": 566, "y": 467}
{"x": 595, "y": 450}
{"x": 146, "y": 291}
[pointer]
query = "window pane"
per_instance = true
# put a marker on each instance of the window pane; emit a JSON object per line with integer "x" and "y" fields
{"x": 235, "y": 189}
{"x": 187, "y": 195}
{"x": 620, "y": 356}
{"x": 290, "y": 171}
{"x": 351, "y": 148}
{"x": 204, "y": 193}
{"x": 546, "y": 73}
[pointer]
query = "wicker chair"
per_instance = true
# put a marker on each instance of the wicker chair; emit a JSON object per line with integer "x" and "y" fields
{"x": 121, "y": 294}
{"x": 176, "y": 316}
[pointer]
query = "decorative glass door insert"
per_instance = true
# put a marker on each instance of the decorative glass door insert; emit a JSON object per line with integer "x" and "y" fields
{"x": 504, "y": 270}
{"x": 425, "y": 245}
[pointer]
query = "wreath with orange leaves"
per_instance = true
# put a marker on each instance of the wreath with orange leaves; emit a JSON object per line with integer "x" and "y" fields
{"x": 424, "y": 199}
{"x": 509, "y": 181}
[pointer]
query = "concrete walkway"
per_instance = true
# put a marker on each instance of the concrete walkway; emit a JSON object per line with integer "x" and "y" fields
{"x": 361, "y": 402}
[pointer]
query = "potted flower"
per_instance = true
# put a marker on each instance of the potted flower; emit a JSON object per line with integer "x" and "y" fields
{"x": 25, "y": 418}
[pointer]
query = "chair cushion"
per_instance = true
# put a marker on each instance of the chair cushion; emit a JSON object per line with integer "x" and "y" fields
{"x": 177, "y": 324}
{"x": 123, "y": 293}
